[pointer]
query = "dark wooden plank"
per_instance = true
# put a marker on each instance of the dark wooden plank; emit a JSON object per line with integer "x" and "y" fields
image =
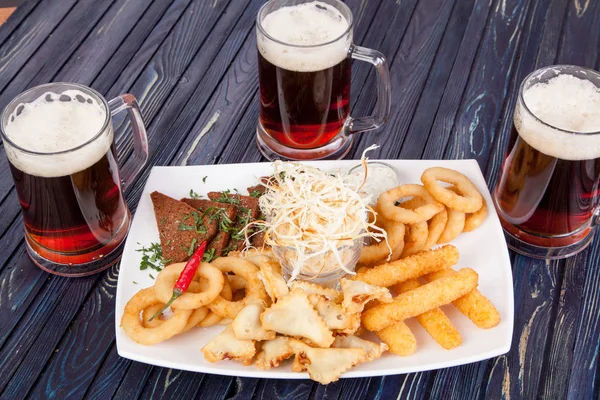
{"x": 539, "y": 48}
{"x": 107, "y": 379}
{"x": 138, "y": 48}
{"x": 16, "y": 18}
{"x": 133, "y": 383}
{"x": 268, "y": 389}
{"x": 46, "y": 60}
{"x": 165, "y": 70}
{"x": 20, "y": 369}
{"x": 166, "y": 383}
{"x": 581, "y": 34}
{"x": 100, "y": 45}
{"x": 30, "y": 34}
{"x": 455, "y": 87}
{"x": 409, "y": 70}
{"x": 475, "y": 127}
{"x": 20, "y": 280}
{"x": 584, "y": 376}
{"x": 422, "y": 121}
{"x": 243, "y": 388}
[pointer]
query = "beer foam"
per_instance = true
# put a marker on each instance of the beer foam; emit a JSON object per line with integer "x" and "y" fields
{"x": 56, "y": 122}
{"x": 565, "y": 102}
{"x": 307, "y": 24}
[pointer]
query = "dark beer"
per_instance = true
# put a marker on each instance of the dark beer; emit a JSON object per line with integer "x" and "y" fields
{"x": 550, "y": 185}
{"x": 67, "y": 178}
{"x": 304, "y": 109}
{"x": 550, "y": 200}
{"x": 78, "y": 217}
{"x": 304, "y": 72}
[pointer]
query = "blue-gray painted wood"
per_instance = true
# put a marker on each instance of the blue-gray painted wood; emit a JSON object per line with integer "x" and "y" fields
{"x": 456, "y": 67}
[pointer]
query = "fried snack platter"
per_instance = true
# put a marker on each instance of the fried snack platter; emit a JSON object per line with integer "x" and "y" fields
{"x": 483, "y": 250}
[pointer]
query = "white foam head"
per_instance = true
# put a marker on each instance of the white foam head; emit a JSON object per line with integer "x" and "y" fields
{"x": 306, "y": 24}
{"x": 54, "y": 123}
{"x": 566, "y": 102}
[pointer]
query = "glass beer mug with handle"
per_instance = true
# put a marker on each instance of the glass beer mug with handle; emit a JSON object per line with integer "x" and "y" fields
{"x": 59, "y": 141}
{"x": 304, "y": 68}
{"x": 548, "y": 193}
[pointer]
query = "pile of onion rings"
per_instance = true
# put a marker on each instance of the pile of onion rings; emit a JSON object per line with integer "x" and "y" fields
{"x": 417, "y": 217}
{"x": 216, "y": 295}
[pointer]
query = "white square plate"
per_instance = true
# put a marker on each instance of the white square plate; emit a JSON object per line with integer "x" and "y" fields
{"x": 484, "y": 250}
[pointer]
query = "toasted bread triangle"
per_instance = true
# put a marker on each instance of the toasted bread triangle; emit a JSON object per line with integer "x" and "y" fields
{"x": 177, "y": 227}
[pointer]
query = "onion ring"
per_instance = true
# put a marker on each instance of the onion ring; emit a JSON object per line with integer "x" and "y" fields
{"x": 454, "y": 226}
{"x": 165, "y": 281}
{"x": 149, "y": 312}
{"x": 437, "y": 224}
{"x": 387, "y": 207}
{"x": 236, "y": 282}
{"x": 132, "y": 324}
{"x": 375, "y": 252}
{"x": 212, "y": 318}
{"x": 254, "y": 287}
{"x": 415, "y": 239}
{"x": 467, "y": 200}
{"x": 472, "y": 221}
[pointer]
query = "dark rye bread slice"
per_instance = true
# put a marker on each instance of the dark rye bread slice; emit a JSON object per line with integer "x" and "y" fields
{"x": 178, "y": 229}
{"x": 247, "y": 211}
{"x": 220, "y": 241}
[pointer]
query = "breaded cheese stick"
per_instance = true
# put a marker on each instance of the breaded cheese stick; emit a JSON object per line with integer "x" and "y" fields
{"x": 420, "y": 300}
{"x": 474, "y": 305}
{"x": 435, "y": 322}
{"x": 410, "y": 267}
{"x": 399, "y": 339}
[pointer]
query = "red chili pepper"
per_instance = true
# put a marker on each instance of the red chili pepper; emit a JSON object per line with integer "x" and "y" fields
{"x": 185, "y": 278}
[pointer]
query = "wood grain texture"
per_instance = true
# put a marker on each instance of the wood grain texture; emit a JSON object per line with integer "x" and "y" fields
{"x": 46, "y": 61}
{"x": 456, "y": 67}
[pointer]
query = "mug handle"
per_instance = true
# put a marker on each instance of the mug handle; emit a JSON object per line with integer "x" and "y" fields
{"x": 127, "y": 102}
{"x": 384, "y": 91}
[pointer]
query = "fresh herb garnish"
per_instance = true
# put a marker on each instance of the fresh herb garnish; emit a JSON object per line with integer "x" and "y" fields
{"x": 241, "y": 222}
{"x": 256, "y": 193}
{"x": 152, "y": 257}
{"x": 224, "y": 198}
{"x": 150, "y": 275}
{"x": 204, "y": 179}
{"x": 134, "y": 282}
{"x": 196, "y": 226}
{"x": 193, "y": 194}
{"x": 192, "y": 247}
{"x": 209, "y": 255}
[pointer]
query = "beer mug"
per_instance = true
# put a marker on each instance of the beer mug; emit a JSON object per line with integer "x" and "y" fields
{"x": 548, "y": 192}
{"x": 304, "y": 70}
{"x": 58, "y": 139}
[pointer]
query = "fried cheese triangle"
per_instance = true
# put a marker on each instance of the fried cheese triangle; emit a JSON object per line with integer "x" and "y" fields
{"x": 274, "y": 352}
{"x": 325, "y": 365}
{"x": 247, "y": 325}
{"x": 334, "y": 315}
{"x": 374, "y": 350}
{"x": 294, "y": 315}
{"x": 357, "y": 294}
{"x": 225, "y": 346}
{"x": 313, "y": 288}
{"x": 270, "y": 276}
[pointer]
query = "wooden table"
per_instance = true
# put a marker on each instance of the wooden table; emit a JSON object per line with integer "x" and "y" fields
{"x": 456, "y": 66}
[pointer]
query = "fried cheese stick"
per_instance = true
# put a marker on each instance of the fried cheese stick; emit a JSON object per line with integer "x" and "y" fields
{"x": 411, "y": 267}
{"x": 420, "y": 300}
{"x": 399, "y": 339}
{"x": 474, "y": 305}
{"x": 435, "y": 322}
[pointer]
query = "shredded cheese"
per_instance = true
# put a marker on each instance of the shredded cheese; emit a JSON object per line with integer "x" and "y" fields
{"x": 316, "y": 217}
